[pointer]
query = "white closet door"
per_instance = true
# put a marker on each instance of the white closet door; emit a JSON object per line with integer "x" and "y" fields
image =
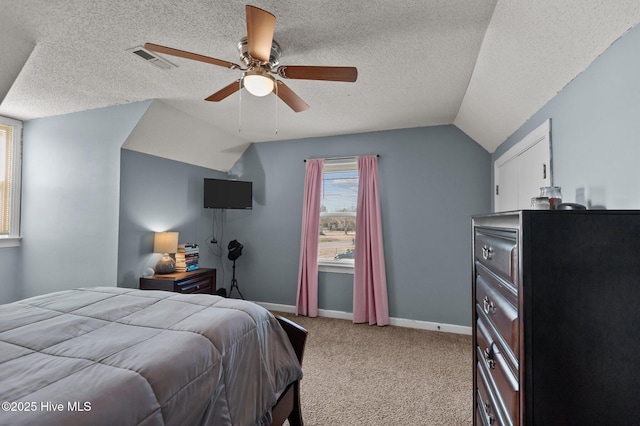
{"x": 522, "y": 170}
{"x": 507, "y": 186}
{"x": 533, "y": 172}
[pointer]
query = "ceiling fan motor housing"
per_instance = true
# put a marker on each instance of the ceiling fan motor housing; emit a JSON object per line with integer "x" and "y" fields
{"x": 250, "y": 62}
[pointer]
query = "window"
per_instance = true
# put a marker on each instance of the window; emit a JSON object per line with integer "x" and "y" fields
{"x": 337, "y": 240}
{"x": 10, "y": 157}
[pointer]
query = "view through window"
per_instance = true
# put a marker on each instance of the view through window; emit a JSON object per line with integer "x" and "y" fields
{"x": 5, "y": 176}
{"x": 337, "y": 239}
{"x": 10, "y": 132}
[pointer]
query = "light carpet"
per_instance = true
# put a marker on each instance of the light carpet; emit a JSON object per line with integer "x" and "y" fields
{"x": 357, "y": 374}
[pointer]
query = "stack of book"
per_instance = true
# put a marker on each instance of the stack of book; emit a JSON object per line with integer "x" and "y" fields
{"x": 187, "y": 257}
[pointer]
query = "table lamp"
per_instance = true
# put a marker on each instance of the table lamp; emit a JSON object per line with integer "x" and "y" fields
{"x": 165, "y": 243}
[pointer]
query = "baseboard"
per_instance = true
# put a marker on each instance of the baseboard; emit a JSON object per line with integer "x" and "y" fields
{"x": 400, "y": 322}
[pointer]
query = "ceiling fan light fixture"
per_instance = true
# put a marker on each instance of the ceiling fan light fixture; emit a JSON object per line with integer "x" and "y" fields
{"x": 258, "y": 83}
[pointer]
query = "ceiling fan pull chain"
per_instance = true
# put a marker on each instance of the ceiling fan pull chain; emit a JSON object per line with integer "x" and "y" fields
{"x": 276, "y": 99}
{"x": 240, "y": 106}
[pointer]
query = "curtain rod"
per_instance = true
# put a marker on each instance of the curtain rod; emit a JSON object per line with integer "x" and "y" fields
{"x": 340, "y": 158}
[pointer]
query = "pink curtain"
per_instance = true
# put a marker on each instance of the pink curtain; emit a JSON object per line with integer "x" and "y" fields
{"x": 307, "y": 298}
{"x": 370, "y": 302}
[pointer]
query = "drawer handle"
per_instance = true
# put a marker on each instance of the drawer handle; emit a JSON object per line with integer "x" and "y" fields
{"x": 488, "y": 306}
{"x": 487, "y": 252}
{"x": 490, "y": 416}
{"x": 489, "y": 355}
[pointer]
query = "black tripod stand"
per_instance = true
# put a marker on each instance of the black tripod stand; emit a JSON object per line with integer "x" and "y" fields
{"x": 234, "y": 282}
{"x": 235, "y": 251}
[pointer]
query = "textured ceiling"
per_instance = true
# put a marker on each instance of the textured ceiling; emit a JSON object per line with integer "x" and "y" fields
{"x": 484, "y": 66}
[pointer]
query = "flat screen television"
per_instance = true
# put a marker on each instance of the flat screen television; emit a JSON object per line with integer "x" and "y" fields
{"x": 227, "y": 194}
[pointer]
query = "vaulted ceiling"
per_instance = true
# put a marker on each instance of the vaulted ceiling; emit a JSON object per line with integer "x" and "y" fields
{"x": 485, "y": 66}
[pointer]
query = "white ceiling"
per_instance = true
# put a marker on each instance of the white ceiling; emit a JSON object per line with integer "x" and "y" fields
{"x": 482, "y": 65}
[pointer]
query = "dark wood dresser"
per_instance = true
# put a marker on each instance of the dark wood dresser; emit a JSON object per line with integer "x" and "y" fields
{"x": 201, "y": 280}
{"x": 556, "y": 313}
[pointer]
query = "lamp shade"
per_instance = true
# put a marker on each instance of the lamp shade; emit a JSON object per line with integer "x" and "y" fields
{"x": 165, "y": 242}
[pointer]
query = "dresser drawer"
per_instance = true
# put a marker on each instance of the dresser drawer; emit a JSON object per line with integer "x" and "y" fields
{"x": 498, "y": 251}
{"x": 504, "y": 287}
{"x": 200, "y": 281}
{"x": 502, "y": 314}
{"x": 481, "y": 417}
{"x": 195, "y": 285}
{"x": 488, "y": 412}
{"x": 499, "y": 374}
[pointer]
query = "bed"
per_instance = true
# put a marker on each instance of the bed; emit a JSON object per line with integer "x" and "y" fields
{"x": 108, "y": 355}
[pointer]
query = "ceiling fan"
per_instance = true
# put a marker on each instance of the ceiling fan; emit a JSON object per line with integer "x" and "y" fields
{"x": 260, "y": 54}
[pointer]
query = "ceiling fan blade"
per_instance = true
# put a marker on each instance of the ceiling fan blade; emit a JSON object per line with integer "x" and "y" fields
{"x": 300, "y": 72}
{"x": 188, "y": 55}
{"x": 260, "y": 27}
{"x": 288, "y": 97}
{"x": 224, "y": 92}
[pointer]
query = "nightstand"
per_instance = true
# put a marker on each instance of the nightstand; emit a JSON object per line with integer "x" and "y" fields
{"x": 201, "y": 280}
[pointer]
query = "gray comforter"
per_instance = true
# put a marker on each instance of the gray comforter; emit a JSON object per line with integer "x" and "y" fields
{"x": 115, "y": 356}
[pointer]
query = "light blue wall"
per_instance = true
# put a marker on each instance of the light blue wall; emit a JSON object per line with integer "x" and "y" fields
{"x": 157, "y": 194}
{"x": 70, "y": 198}
{"x": 431, "y": 181}
{"x": 10, "y": 281}
{"x": 595, "y": 129}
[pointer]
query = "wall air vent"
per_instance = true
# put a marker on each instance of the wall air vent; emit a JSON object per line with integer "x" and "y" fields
{"x": 151, "y": 58}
